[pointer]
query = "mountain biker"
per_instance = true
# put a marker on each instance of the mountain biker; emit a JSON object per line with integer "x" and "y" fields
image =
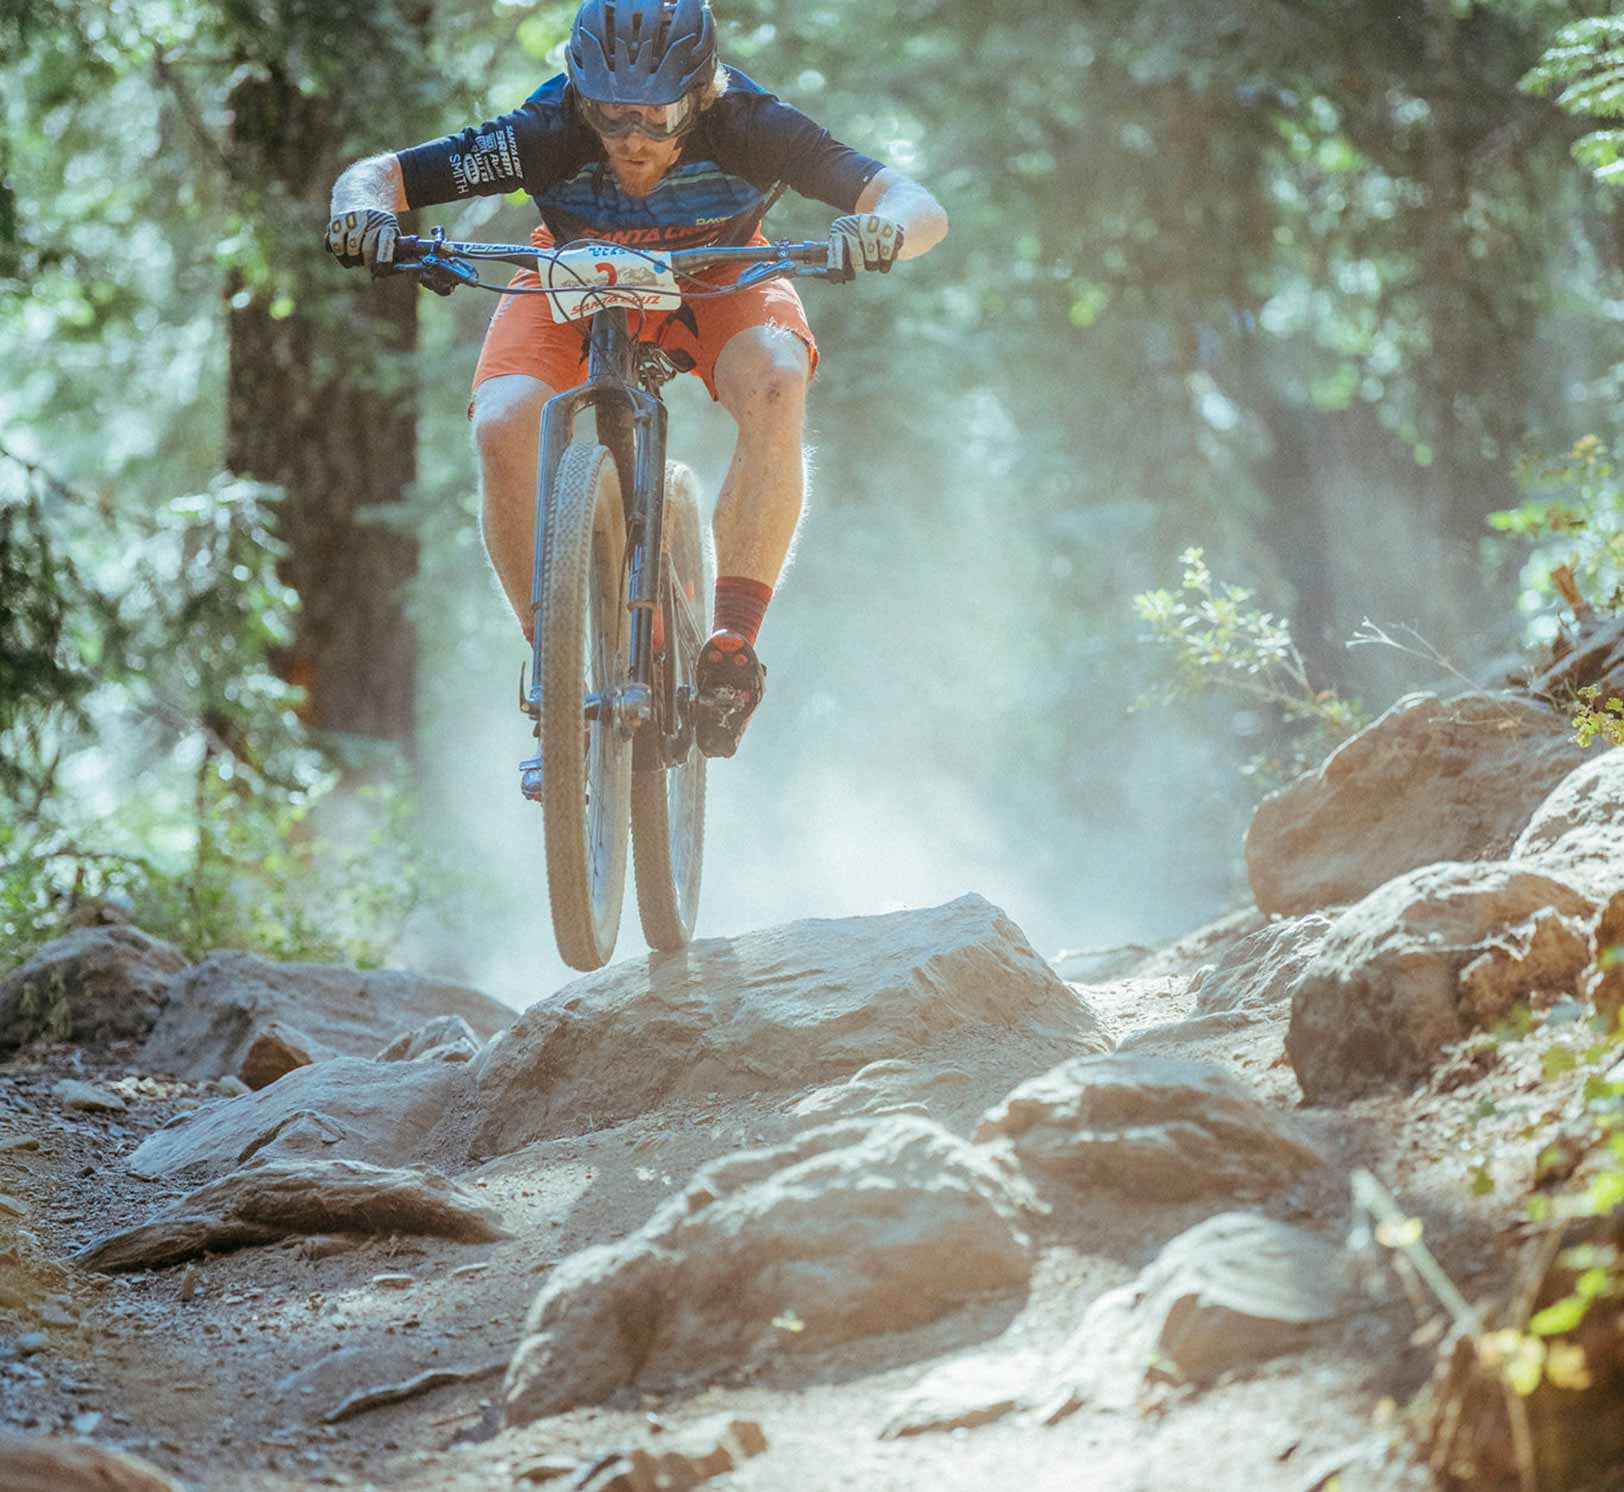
{"x": 649, "y": 139}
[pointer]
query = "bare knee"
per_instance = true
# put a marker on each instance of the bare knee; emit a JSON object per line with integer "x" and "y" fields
{"x": 507, "y": 417}
{"x": 762, "y": 375}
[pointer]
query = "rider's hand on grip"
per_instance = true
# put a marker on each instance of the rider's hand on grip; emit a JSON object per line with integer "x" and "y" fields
{"x": 363, "y": 236}
{"x": 871, "y": 242}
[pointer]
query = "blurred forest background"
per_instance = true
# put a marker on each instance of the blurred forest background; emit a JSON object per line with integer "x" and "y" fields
{"x": 1313, "y": 286}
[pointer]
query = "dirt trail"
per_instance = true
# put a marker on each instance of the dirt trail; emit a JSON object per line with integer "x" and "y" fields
{"x": 222, "y": 1372}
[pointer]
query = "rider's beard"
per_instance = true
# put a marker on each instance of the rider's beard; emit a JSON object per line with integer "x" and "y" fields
{"x": 639, "y": 162}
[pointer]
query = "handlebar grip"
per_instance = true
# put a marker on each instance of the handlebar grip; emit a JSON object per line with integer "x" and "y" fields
{"x": 840, "y": 268}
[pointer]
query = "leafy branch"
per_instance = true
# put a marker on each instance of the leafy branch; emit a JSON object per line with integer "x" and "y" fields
{"x": 1215, "y": 638}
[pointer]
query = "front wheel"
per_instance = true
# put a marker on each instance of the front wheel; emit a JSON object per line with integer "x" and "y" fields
{"x": 586, "y": 760}
{"x": 668, "y": 803}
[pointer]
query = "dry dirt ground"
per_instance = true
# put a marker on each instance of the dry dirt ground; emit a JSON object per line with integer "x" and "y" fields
{"x": 222, "y": 1372}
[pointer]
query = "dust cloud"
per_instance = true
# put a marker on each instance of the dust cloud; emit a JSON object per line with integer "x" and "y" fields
{"x": 916, "y": 743}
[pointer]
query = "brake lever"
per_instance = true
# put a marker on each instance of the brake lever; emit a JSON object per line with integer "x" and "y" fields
{"x": 442, "y": 274}
{"x": 757, "y": 273}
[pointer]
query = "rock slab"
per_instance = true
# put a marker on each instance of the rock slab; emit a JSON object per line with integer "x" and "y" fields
{"x": 52, "y": 1464}
{"x": 1430, "y": 780}
{"x": 853, "y": 1229}
{"x": 707, "y": 1451}
{"x": 1260, "y": 971}
{"x": 1225, "y": 1296}
{"x": 786, "y": 1008}
{"x": 383, "y": 1113}
{"x": 1157, "y": 1129}
{"x": 965, "y": 1393}
{"x": 94, "y": 986}
{"x": 276, "y": 1199}
{"x": 447, "y": 1038}
{"x": 220, "y": 1008}
{"x": 1422, "y": 962}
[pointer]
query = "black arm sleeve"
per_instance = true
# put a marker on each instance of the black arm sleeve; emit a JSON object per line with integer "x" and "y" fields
{"x": 480, "y": 161}
{"x": 783, "y": 144}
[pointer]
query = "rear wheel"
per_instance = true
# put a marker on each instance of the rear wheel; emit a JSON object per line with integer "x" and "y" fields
{"x": 586, "y": 762}
{"x": 668, "y": 804}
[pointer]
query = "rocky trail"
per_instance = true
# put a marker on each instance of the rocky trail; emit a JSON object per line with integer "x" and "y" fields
{"x": 882, "y": 1203}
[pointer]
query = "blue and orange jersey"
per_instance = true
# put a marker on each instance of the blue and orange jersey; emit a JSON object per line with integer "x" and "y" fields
{"x": 746, "y": 147}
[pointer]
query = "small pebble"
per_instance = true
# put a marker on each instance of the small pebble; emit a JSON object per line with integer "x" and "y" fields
{"x": 54, "y": 1313}
{"x": 394, "y": 1281}
{"x": 86, "y": 1097}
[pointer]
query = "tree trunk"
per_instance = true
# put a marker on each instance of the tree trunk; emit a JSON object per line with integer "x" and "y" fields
{"x": 320, "y": 400}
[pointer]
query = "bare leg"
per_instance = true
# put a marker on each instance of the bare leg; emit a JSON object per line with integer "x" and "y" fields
{"x": 507, "y": 429}
{"x": 761, "y": 380}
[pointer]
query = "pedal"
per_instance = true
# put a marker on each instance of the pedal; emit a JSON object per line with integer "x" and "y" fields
{"x": 530, "y": 780}
{"x": 719, "y": 719}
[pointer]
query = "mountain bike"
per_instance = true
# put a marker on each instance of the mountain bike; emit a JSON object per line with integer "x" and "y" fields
{"x": 620, "y": 584}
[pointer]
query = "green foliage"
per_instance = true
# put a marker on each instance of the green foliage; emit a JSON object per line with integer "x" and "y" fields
{"x": 154, "y": 757}
{"x": 41, "y": 691}
{"x": 1573, "y": 518}
{"x": 1591, "y": 720}
{"x": 1584, "y": 69}
{"x": 1212, "y": 637}
{"x": 1537, "y": 1353}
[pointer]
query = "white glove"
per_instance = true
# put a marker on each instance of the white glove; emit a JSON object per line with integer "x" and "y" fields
{"x": 363, "y": 237}
{"x": 872, "y": 242}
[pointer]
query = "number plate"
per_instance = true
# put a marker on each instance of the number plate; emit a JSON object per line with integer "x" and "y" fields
{"x": 594, "y": 276}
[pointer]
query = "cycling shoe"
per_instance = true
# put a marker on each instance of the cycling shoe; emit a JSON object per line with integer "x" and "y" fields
{"x": 730, "y": 680}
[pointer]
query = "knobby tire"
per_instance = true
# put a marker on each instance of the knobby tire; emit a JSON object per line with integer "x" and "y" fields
{"x": 586, "y": 766}
{"x": 668, "y": 804}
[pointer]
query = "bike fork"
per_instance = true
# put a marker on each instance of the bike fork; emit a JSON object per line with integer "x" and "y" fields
{"x": 643, "y": 418}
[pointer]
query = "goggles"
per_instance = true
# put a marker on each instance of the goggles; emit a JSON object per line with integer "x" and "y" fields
{"x": 657, "y": 121}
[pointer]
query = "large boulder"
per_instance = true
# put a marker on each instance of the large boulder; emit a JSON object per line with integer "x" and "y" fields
{"x": 1157, "y": 1129}
{"x": 219, "y": 1013}
{"x": 95, "y": 985}
{"x": 852, "y": 1230}
{"x": 1577, "y": 833}
{"x": 774, "y": 1011}
{"x": 268, "y": 1200}
{"x": 1430, "y": 780}
{"x": 1420, "y": 963}
{"x": 1226, "y": 1296}
{"x": 1605, "y": 983}
{"x": 384, "y": 1113}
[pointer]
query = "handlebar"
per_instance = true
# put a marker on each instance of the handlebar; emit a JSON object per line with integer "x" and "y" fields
{"x": 443, "y": 264}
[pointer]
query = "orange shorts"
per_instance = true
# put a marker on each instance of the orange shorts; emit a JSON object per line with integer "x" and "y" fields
{"x": 523, "y": 337}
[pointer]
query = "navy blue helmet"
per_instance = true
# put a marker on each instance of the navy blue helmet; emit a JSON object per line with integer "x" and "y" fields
{"x": 646, "y": 52}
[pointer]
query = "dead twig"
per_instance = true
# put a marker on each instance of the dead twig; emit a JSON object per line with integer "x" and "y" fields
{"x": 1370, "y": 632}
{"x": 1396, "y": 1231}
{"x": 411, "y": 1388}
{"x": 1563, "y": 579}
